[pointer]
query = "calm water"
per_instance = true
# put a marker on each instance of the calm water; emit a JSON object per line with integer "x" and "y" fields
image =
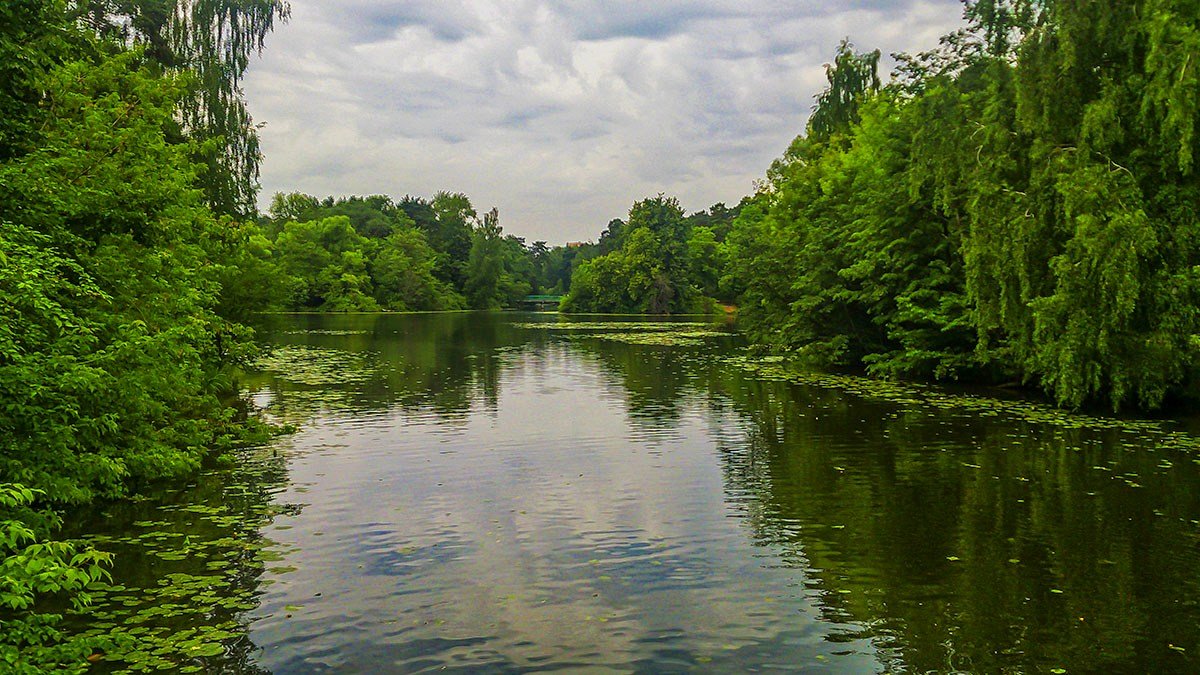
{"x": 469, "y": 493}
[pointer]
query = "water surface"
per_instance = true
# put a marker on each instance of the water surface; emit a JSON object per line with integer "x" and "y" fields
{"x": 474, "y": 492}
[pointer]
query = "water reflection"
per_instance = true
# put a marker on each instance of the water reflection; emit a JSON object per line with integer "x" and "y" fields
{"x": 956, "y": 543}
{"x": 472, "y": 492}
{"x": 189, "y": 564}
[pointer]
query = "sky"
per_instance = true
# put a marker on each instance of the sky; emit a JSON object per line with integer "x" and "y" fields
{"x": 560, "y": 113}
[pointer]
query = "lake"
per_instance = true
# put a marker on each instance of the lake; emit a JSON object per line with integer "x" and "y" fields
{"x": 524, "y": 493}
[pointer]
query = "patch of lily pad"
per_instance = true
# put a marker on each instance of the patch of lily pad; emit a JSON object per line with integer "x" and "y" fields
{"x": 687, "y": 338}
{"x": 327, "y": 332}
{"x": 622, "y": 326}
{"x": 187, "y": 576}
{"x": 654, "y": 333}
{"x": 317, "y": 366}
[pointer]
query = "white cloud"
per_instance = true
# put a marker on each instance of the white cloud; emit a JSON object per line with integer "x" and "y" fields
{"x": 561, "y": 113}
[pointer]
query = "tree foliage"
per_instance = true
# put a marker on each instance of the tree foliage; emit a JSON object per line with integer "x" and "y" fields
{"x": 212, "y": 42}
{"x": 850, "y": 77}
{"x": 31, "y": 567}
{"x": 649, "y": 267}
{"x": 118, "y": 340}
{"x": 372, "y": 253}
{"x": 112, "y": 354}
{"x": 1018, "y": 204}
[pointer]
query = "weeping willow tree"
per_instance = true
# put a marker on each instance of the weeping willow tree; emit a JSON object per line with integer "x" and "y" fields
{"x": 850, "y": 76}
{"x": 1020, "y": 204}
{"x": 212, "y": 41}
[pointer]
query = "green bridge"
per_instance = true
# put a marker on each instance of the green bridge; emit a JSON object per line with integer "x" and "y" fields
{"x": 541, "y": 301}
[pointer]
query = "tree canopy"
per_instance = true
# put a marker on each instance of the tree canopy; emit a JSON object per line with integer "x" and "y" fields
{"x": 1016, "y": 205}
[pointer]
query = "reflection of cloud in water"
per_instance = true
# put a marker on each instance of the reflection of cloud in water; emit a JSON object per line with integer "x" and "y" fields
{"x": 555, "y": 531}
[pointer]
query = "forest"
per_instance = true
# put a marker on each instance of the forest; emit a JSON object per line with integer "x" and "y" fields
{"x": 1018, "y": 206}
{"x": 375, "y": 253}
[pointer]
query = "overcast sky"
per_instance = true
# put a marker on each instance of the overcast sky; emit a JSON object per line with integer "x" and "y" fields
{"x": 561, "y": 113}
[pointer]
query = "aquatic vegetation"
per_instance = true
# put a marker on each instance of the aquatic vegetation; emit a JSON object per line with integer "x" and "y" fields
{"x": 923, "y": 397}
{"x": 625, "y": 326}
{"x": 659, "y": 333}
{"x": 337, "y": 333}
{"x": 683, "y": 338}
{"x": 204, "y": 560}
{"x": 316, "y": 380}
{"x": 317, "y": 366}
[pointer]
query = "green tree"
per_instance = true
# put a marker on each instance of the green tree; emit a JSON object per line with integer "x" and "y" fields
{"x": 851, "y": 77}
{"x": 486, "y": 264}
{"x": 403, "y": 271}
{"x": 212, "y": 41}
{"x": 450, "y": 233}
{"x": 294, "y": 206}
{"x": 327, "y": 261}
{"x": 649, "y": 270}
{"x": 705, "y": 256}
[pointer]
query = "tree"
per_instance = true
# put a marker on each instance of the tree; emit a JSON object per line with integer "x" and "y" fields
{"x": 403, "y": 272}
{"x": 451, "y": 233}
{"x": 486, "y": 264}
{"x": 851, "y": 77}
{"x": 327, "y": 261}
{"x": 705, "y": 258}
{"x": 212, "y": 42}
{"x": 294, "y": 206}
{"x": 648, "y": 271}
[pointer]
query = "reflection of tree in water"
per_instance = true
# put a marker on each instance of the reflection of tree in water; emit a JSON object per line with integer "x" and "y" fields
{"x": 187, "y": 569}
{"x": 963, "y": 543}
{"x": 444, "y": 363}
{"x": 950, "y": 540}
{"x": 189, "y": 562}
{"x": 436, "y": 363}
{"x": 654, "y": 381}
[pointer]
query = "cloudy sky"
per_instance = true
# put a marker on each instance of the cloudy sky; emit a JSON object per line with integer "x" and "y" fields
{"x": 561, "y": 113}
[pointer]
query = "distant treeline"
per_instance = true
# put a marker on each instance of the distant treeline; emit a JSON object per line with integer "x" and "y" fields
{"x": 375, "y": 253}
{"x": 658, "y": 261}
{"x": 345, "y": 254}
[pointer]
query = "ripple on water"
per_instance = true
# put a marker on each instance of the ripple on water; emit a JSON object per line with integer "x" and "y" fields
{"x": 479, "y": 497}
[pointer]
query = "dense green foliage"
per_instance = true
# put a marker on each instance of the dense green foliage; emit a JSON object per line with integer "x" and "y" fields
{"x": 112, "y": 353}
{"x": 31, "y": 567}
{"x": 1018, "y": 204}
{"x": 211, "y": 42}
{"x": 659, "y": 261}
{"x": 117, "y": 337}
{"x": 372, "y": 253}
